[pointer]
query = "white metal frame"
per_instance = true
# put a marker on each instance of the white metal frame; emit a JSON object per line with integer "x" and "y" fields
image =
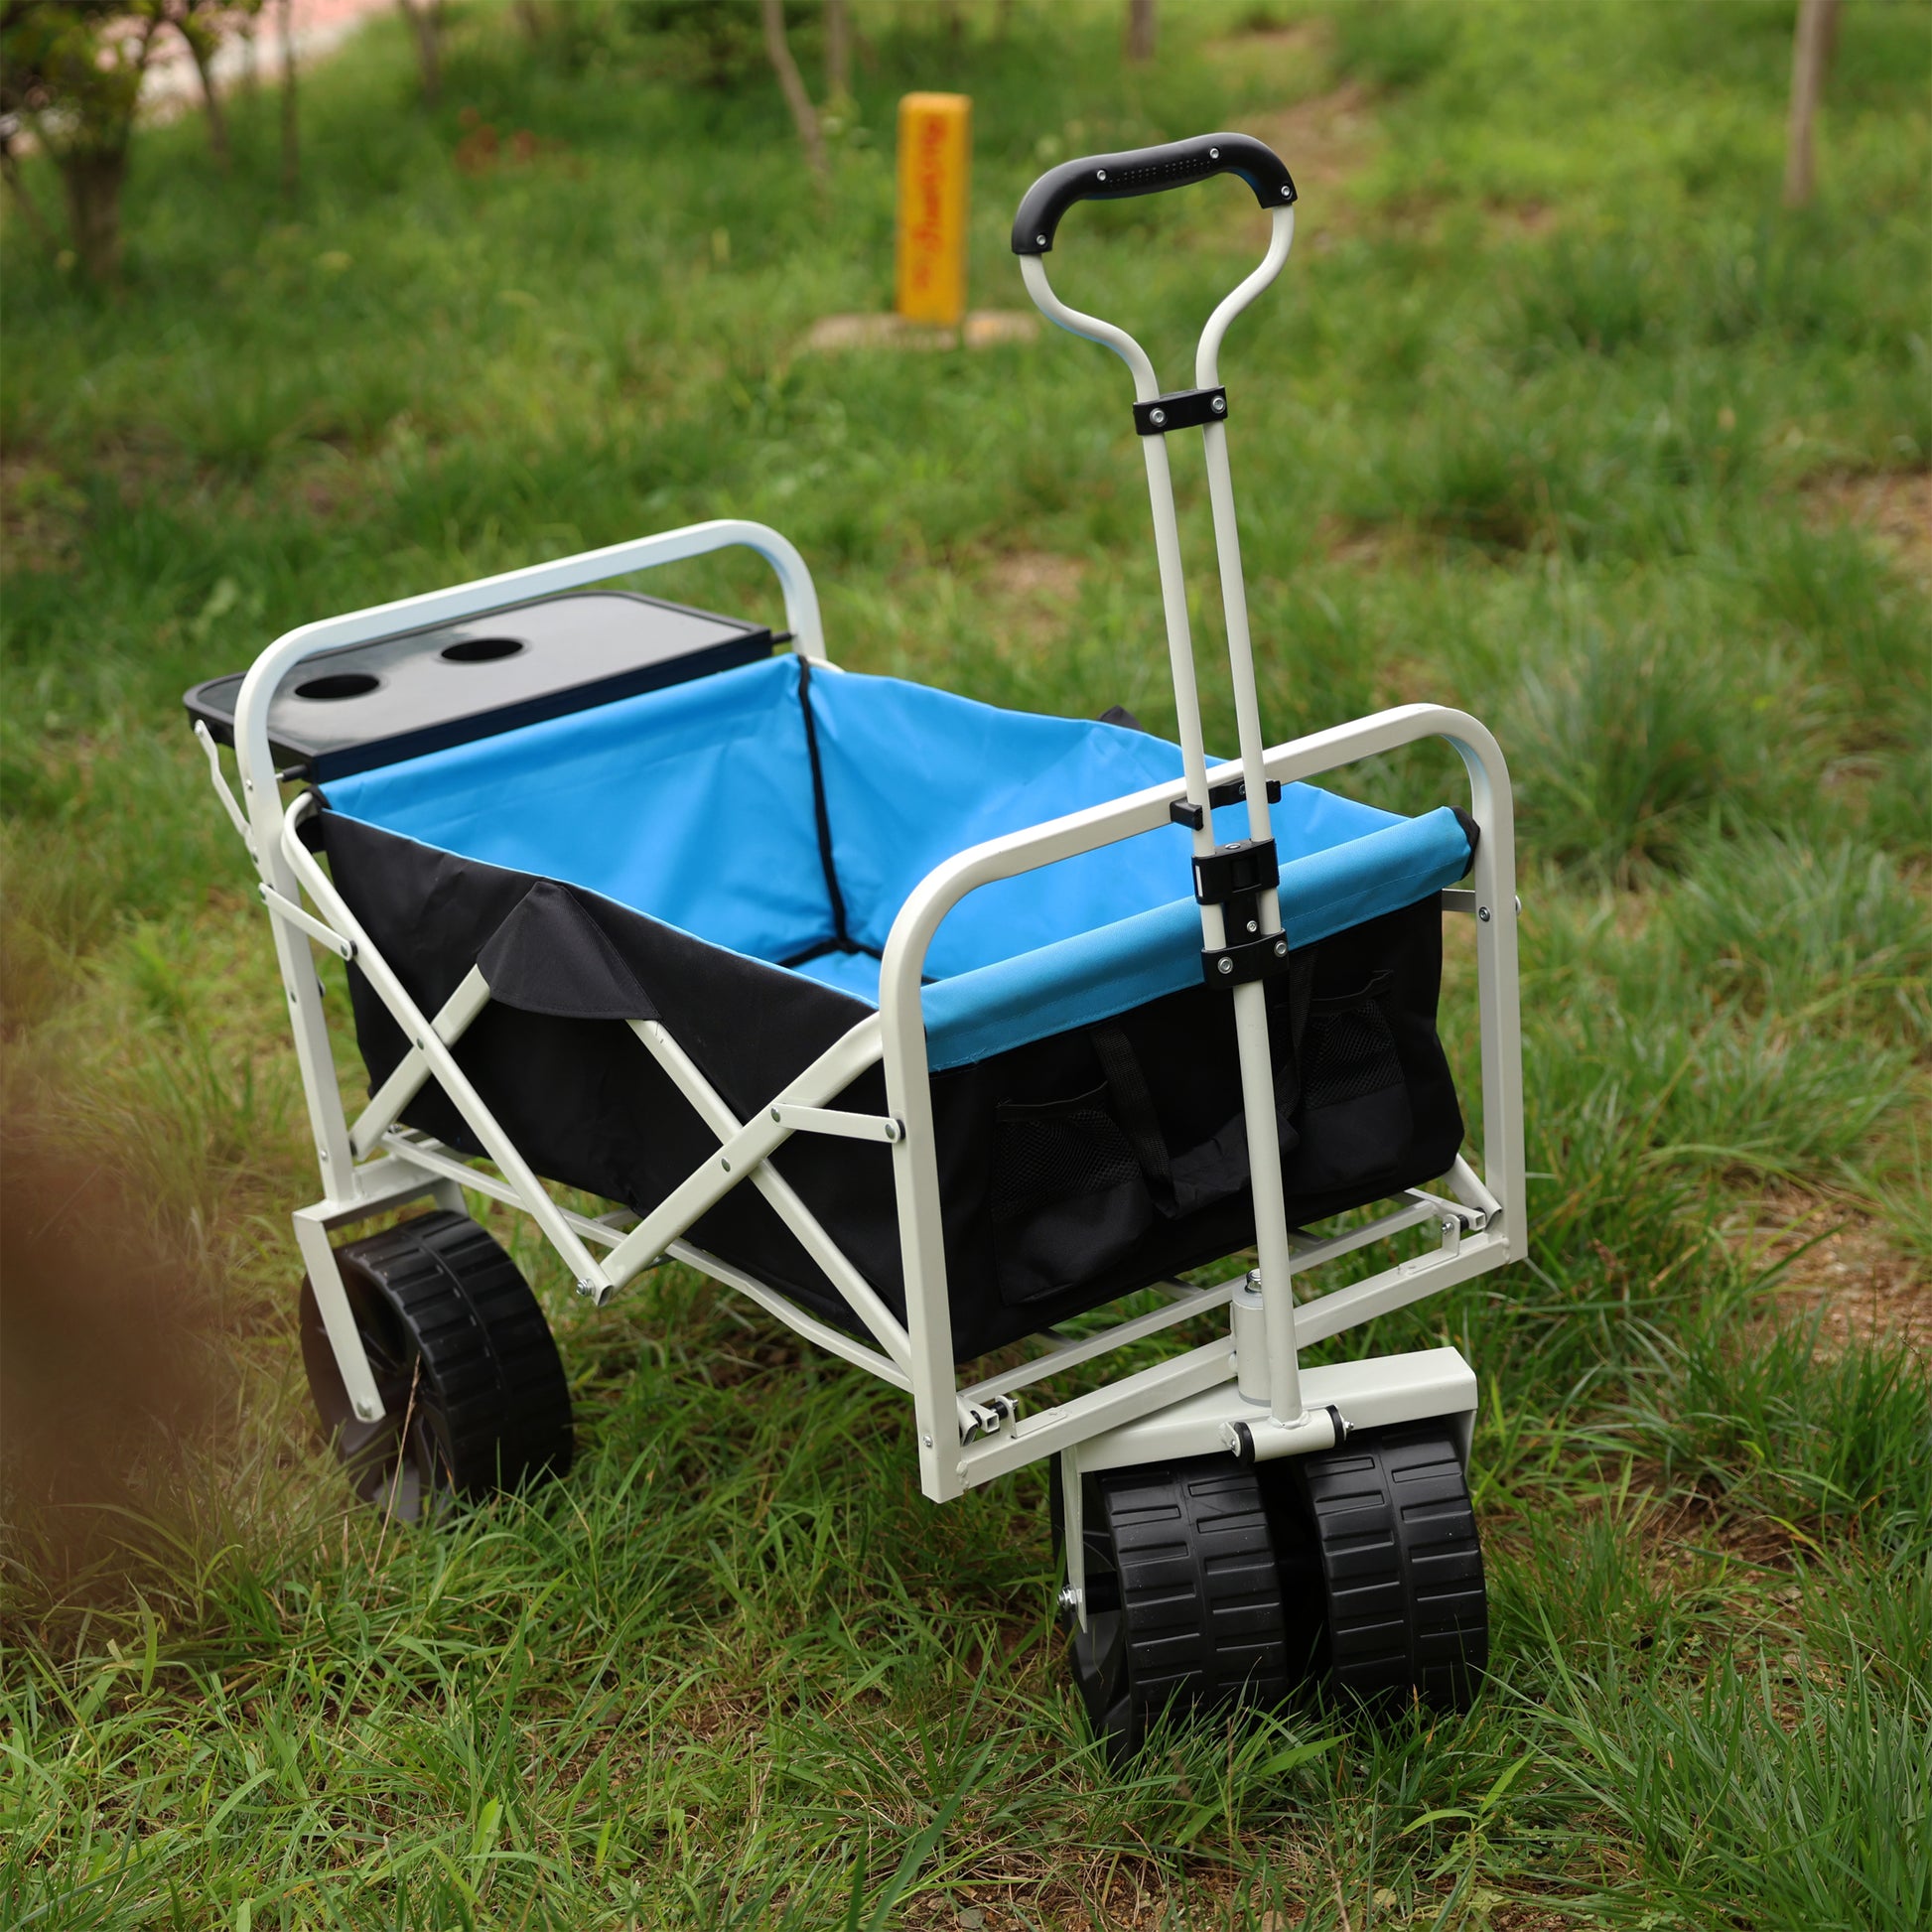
{"x": 970, "y": 1434}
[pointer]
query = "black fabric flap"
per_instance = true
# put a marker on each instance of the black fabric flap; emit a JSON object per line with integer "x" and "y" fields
{"x": 551, "y": 956}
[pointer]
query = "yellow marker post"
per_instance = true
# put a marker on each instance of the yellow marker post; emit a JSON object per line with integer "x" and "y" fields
{"x": 935, "y": 156}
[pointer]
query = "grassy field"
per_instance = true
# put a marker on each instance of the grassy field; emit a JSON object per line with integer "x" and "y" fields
{"x": 1556, "y": 415}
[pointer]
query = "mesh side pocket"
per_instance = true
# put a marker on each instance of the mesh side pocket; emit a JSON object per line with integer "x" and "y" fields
{"x": 1064, "y": 1148}
{"x": 1067, "y": 1195}
{"x": 1356, "y": 1119}
{"x": 1349, "y": 1055}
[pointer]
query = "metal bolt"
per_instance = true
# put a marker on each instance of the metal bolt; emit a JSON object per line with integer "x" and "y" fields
{"x": 927, "y": 1441}
{"x": 584, "y": 1287}
{"x": 726, "y": 1164}
{"x": 775, "y": 1113}
{"x": 1100, "y": 174}
{"x": 1219, "y": 405}
{"x": 1281, "y": 948}
{"x": 1482, "y": 913}
{"x": 1254, "y": 926}
{"x": 1224, "y": 966}
{"x": 1042, "y": 240}
{"x": 1069, "y": 1599}
{"x": 1156, "y": 417}
{"x": 1213, "y": 154}
{"x": 1286, "y": 190}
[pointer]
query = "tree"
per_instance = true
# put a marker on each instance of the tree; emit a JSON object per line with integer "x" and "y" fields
{"x": 573, "y": 32}
{"x": 30, "y": 211}
{"x": 425, "y": 18}
{"x": 1140, "y": 30}
{"x": 1811, "y": 59}
{"x": 290, "y": 126}
{"x": 838, "y": 56}
{"x": 70, "y": 70}
{"x": 722, "y": 43}
{"x": 804, "y": 116}
{"x": 202, "y": 26}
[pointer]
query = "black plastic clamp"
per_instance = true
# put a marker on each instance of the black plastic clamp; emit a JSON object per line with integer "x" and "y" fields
{"x": 1253, "y": 959}
{"x": 1234, "y": 871}
{"x": 1234, "y": 793}
{"x": 1180, "y": 409}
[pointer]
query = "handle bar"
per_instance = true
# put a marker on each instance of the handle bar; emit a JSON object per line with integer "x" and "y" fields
{"x": 1146, "y": 171}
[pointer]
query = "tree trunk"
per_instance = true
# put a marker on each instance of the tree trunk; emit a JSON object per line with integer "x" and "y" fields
{"x": 201, "y": 52}
{"x": 1140, "y": 30}
{"x": 93, "y": 177}
{"x": 1811, "y": 51}
{"x": 290, "y": 127}
{"x": 425, "y": 18}
{"x": 838, "y": 53}
{"x": 251, "y": 79}
{"x": 803, "y": 114}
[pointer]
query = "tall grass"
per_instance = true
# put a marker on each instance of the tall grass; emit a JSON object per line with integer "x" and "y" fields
{"x": 1765, "y": 1795}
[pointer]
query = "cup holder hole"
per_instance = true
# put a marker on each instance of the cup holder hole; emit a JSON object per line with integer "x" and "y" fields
{"x": 339, "y": 684}
{"x": 480, "y": 650}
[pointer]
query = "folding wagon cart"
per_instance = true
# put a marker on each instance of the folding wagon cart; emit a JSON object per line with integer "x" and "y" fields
{"x": 954, "y": 1037}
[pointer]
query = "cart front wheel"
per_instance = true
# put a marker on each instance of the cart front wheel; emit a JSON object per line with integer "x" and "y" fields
{"x": 473, "y": 1390}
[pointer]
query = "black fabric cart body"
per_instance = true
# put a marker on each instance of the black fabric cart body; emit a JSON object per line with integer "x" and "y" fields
{"x": 928, "y": 1027}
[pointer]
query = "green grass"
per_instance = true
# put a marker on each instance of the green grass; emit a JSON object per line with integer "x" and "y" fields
{"x": 1547, "y": 419}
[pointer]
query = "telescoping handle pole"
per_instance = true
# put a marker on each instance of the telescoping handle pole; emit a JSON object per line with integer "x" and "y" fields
{"x": 1243, "y": 943}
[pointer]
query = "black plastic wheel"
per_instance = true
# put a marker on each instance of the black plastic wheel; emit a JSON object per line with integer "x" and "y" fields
{"x": 1183, "y": 1598}
{"x": 1398, "y": 1562}
{"x": 474, "y": 1391}
{"x": 1209, "y": 1583}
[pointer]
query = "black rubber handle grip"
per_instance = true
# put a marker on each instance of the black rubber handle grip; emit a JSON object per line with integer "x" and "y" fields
{"x": 1146, "y": 171}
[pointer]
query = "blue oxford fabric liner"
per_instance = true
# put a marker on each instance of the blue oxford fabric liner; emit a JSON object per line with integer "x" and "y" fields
{"x": 697, "y": 805}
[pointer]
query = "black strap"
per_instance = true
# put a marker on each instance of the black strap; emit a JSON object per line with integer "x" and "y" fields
{"x": 1215, "y": 1168}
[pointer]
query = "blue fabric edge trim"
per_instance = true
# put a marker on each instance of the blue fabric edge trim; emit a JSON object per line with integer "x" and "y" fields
{"x": 1095, "y": 975}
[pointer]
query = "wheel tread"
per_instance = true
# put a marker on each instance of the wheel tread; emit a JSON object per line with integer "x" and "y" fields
{"x": 1194, "y": 1616}
{"x": 495, "y": 1394}
{"x": 1403, "y": 1565}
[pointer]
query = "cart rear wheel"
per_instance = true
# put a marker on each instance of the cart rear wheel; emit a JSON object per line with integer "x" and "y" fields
{"x": 1209, "y": 1583}
{"x": 1184, "y": 1606}
{"x": 1399, "y": 1565}
{"x": 472, "y": 1389}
